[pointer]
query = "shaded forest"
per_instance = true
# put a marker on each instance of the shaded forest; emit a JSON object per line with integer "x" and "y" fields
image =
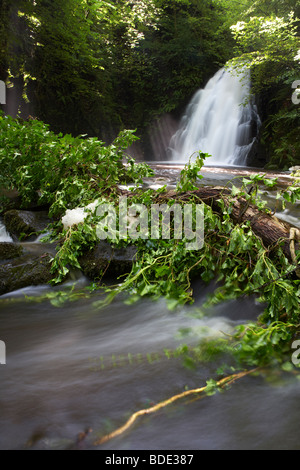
{"x": 98, "y": 67}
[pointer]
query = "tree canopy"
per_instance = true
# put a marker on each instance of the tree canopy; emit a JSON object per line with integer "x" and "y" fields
{"x": 97, "y": 67}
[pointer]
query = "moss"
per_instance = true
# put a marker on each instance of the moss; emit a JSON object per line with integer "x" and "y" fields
{"x": 102, "y": 259}
{"x": 25, "y": 223}
{"x": 24, "y": 272}
{"x": 10, "y": 250}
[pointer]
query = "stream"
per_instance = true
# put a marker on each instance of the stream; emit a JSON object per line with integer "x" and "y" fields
{"x": 72, "y": 368}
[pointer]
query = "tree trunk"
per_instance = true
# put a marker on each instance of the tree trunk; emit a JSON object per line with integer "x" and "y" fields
{"x": 266, "y": 226}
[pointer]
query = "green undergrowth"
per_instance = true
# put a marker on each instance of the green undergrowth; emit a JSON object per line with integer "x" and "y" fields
{"x": 62, "y": 171}
{"x": 65, "y": 173}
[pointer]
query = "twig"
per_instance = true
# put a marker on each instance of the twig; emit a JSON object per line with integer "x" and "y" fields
{"x": 294, "y": 233}
{"x": 221, "y": 383}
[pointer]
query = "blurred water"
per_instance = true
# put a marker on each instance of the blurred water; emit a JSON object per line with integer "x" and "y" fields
{"x": 220, "y": 120}
{"x": 4, "y": 235}
{"x": 75, "y": 367}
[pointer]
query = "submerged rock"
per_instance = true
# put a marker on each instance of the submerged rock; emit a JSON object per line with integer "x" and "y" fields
{"x": 104, "y": 261}
{"x": 24, "y": 271}
{"x": 25, "y": 223}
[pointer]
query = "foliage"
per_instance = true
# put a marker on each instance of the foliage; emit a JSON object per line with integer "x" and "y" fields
{"x": 191, "y": 173}
{"x": 70, "y": 66}
{"x": 62, "y": 171}
{"x": 268, "y": 43}
{"x": 180, "y": 55}
{"x": 240, "y": 265}
{"x": 99, "y": 66}
{"x": 4, "y": 18}
{"x": 65, "y": 172}
{"x": 281, "y": 133}
{"x": 279, "y": 8}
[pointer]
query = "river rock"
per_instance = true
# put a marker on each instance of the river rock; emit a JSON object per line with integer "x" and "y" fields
{"x": 29, "y": 223}
{"x": 10, "y": 250}
{"x": 25, "y": 271}
{"x": 104, "y": 261}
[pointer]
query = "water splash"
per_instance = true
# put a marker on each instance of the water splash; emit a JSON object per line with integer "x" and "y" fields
{"x": 220, "y": 120}
{"x": 4, "y": 235}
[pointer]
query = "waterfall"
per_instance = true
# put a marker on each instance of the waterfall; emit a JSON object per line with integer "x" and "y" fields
{"x": 220, "y": 120}
{"x": 4, "y": 235}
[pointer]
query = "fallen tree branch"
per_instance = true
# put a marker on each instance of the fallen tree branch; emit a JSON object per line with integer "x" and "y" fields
{"x": 267, "y": 227}
{"x": 294, "y": 233}
{"x": 221, "y": 383}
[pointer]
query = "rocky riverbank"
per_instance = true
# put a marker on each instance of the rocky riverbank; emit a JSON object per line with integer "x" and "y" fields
{"x": 25, "y": 261}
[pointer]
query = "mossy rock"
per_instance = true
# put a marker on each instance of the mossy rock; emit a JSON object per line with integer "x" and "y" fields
{"x": 25, "y": 224}
{"x": 10, "y": 250}
{"x": 25, "y": 271}
{"x": 104, "y": 261}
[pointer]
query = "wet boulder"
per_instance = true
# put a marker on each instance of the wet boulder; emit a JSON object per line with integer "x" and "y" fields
{"x": 25, "y": 271}
{"x": 10, "y": 250}
{"x": 104, "y": 261}
{"x": 25, "y": 224}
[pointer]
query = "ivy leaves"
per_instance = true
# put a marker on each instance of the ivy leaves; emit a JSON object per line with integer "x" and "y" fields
{"x": 191, "y": 173}
{"x": 59, "y": 171}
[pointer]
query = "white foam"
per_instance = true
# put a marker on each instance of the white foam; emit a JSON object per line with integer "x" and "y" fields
{"x": 77, "y": 215}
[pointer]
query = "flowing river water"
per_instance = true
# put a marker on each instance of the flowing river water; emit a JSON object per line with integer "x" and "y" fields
{"x": 73, "y": 368}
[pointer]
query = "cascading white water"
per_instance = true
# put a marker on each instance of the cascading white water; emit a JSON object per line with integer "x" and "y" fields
{"x": 219, "y": 121}
{"x": 4, "y": 235}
